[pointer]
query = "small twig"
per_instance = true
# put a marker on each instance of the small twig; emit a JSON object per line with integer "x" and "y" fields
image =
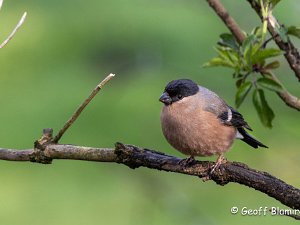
{"x": 264, "y": 45}
{"x": 14, "y": 30}
{"x": 81, "y": 108}
{"x": 289, "y": 99}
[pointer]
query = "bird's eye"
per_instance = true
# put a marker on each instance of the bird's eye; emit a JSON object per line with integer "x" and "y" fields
{"x": 180, "y": 96}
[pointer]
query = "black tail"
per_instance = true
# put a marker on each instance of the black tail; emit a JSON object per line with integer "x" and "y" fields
{"x": 250, "y": 140}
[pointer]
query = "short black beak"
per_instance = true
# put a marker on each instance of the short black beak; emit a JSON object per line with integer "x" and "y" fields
{"x": 165, "y": 98}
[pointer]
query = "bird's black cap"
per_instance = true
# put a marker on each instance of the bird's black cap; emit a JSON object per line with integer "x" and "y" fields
{"x": 184, "y": 87}
{"x": 178, "y": 89}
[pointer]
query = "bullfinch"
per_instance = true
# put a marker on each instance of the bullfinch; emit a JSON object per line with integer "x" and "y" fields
{"x": 197, "y": 122}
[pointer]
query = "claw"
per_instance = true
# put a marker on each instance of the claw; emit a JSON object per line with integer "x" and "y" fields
{"x": 220, "y": 160}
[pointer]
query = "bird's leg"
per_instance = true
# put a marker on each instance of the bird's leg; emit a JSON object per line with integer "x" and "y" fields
{"x": 221, "y": 159}
{"x": 187, "y": 162}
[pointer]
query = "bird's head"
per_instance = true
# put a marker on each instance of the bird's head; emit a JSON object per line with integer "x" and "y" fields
{"x": 177, "y": 90}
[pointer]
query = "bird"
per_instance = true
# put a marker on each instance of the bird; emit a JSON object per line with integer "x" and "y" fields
{"x": 197, "y": 122}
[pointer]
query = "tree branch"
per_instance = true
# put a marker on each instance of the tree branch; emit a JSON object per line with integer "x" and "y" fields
{"x": 289, "y": 99}
{"x": 134, "y": 157}
{"x": 12, "y": 34}
{"x": 291, "y": 53}
{"x": 15, "y": 155}
{"x": 82, "y": 107}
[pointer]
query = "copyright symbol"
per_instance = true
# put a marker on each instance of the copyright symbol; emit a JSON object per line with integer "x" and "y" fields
{"x": 234, "y": 210}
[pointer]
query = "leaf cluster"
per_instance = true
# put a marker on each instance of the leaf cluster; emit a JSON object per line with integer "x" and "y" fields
{"x": 252, "y": 63}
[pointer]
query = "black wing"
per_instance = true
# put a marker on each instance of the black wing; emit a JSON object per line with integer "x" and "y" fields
{"x": 231, "y": 117}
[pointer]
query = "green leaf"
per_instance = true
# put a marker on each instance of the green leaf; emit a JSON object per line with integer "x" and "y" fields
{"x": 257, "y": 31}
{"x": 269, "y": 84}
{"x": 239, "y": 82}
{"x": 272, "y": 65}
{"x": 274, "y": 2}
{"x": 228, "y": 40}
{"x": 238, "y": 75}
{"x": 217, "y": 61}
{"x": 263, "y": 54}
{"x": 227, "y": 55}
{"x": 247, "y": 45}
{"x": 265, "y": 113}
{"x": 242, "y": 93}
{"x": 293, "y": 30}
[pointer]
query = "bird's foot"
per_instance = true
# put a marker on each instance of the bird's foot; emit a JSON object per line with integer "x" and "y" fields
{"x": 187, "y": 162}
{"x": 220, "y": 160}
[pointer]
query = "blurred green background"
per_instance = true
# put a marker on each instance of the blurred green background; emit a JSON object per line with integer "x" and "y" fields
{"x": 60, "y": 54}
